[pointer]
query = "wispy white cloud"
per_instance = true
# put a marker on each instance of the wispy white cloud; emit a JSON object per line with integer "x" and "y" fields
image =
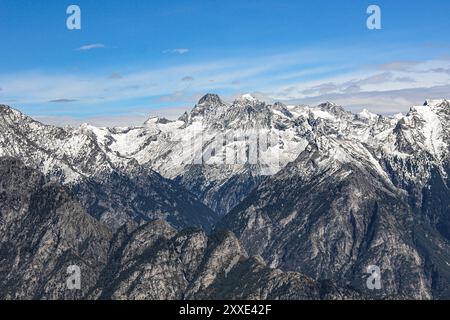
{"x": 399, "y": 65}
{"x": 173, "y": 97}
{"x": 383, "y": 102}
{"x": 38, "y": 87}
{"x": 178, "y": 51}
{"x": 296, "y": 76}
{"x": 355, "y": 85}
{"x": 115, "y": 75}
{"x": 64, "y": 100}
{"x": 401, "y": 76}
{"x": 441, "y": 70}
{"x": 91, "y": 46}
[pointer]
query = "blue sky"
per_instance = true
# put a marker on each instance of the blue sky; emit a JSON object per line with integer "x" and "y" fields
{"x": 139, "y": 58}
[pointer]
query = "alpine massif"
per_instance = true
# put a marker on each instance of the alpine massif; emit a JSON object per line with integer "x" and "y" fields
{"x": 260, "y": 201}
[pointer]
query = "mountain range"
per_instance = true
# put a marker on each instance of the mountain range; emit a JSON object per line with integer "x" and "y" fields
{"x": 232, "y": 200}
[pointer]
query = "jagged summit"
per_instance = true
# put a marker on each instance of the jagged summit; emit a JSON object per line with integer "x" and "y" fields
{"x": 366, "y": 114}
{"x": 210, "y": 98}
{"x": 207, "y": 104}
{"x": 436, "y": 102}
{"x": 248, "y": 100}
{"x": 247, "y": 97}
{"x": 12, "y": 115}
{"x": 327, "y": 105}
{"x": 7, "y": 109}
{"x": 333, "y": 109}
{"x": 156, "y": 120}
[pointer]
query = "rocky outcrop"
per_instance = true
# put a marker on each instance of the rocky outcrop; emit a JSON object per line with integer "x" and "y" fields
{"x": 44, "y": 231}
{"x": 156, "y": 262}
{"x": 350, "y": 201}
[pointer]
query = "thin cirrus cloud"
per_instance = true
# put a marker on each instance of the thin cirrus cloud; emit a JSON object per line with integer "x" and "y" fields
{"x": 441, "y": 70}
{"x": 177, "y": 51}
{"x": 303, "y": 77}
{"x": 187, "y": 78}
{"x": 64, "y": 100}
{"x": 115, "y": 75}
{"x": 398, "y": 65}
{"x": 405, "y": 84}
{"x": 355, "y": 85}
{"x": 88, "y": 47}
{"x": 382, "y": 102}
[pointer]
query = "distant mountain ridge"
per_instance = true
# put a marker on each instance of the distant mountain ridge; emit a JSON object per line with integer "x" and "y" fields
{"x": 112, "y": 188}
{"x": 331, "y": 193}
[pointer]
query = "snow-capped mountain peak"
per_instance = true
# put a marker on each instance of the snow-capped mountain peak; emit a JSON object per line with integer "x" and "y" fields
{"x": 248, "y": 97}
{"x": 437, "y": 102}
{"x": 210, "y": 98}
{"x": 368, "y": 115}
{"x": 192, "y": 147}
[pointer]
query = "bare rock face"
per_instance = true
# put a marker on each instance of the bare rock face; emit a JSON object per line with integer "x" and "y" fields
{"x": 356, "y": 198}
{"x": 43, "y": 231}
{"x": 333, "y": 225}
{"x": 156, "y": 262}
